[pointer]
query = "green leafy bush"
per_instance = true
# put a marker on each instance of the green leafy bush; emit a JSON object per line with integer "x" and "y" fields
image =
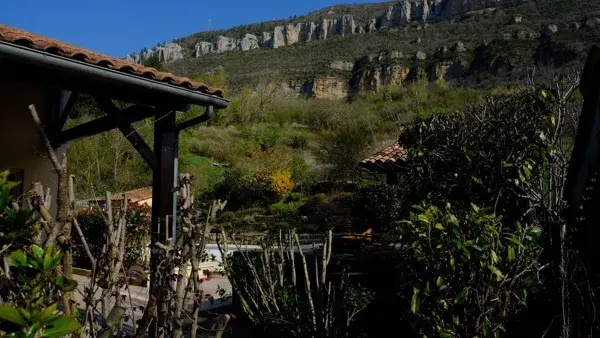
{"x": 34, "y": 312}
{"x": 466, "y": 273}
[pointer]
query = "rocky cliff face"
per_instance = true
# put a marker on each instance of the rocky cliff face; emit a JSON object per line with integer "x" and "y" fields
{"x": 399, "y": 13}
{"x": 166, "y": 53}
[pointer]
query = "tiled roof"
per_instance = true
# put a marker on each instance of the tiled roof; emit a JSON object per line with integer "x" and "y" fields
{"x": 390, "y": 155}
{"x": 133, "y": 196}
{"x": 23, "y": 38}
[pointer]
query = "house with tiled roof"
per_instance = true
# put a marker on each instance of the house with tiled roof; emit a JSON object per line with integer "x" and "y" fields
{"x": 388, "y": 161}
{"x": 40, "y": 80}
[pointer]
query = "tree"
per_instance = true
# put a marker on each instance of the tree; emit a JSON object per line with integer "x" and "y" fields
{"x": 154, "y": 62}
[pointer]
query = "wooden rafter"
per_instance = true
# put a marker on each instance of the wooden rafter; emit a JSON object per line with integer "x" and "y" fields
{"x": 128, "y": 131}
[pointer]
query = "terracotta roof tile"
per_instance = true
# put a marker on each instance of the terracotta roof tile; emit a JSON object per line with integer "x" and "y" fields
{"x": 133, "y": 196}
{"x": 390, "y": 155}
{"x": 23, "y": 38}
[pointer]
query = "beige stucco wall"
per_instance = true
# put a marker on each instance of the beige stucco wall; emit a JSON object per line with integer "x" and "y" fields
{"x": 21, "y": 146}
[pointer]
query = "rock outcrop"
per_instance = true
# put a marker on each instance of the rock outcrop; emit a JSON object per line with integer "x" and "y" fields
{"x": 401, "y": 12}
{"x": 293, "y": 33}
{"x": 330, "y": 87}
{"x": 166, "y": 53}
{"x": 342, "y": 65}
{"x": 376, "y": 77}
{"x": 225, "y": 44}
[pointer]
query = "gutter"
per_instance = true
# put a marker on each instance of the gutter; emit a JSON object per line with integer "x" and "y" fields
{"x": 105, "y": 79}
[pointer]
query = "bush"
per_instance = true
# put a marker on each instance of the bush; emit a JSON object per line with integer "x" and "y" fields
{"x": 93, "y": 225}
{"x": 377, "y": 206}
{"x": 465, "y": 274}
{"x": 265, "y": 136}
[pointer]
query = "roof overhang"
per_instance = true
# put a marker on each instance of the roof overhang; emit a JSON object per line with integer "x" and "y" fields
{"x": 58, "y": 71}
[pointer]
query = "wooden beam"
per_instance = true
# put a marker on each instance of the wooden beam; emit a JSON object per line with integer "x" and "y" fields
{"x": 128, "y": 131}
{"x": 64, "y": 112}
{"x": 104, "y": 123}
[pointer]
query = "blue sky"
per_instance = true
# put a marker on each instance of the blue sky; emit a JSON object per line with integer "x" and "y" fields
{"x": 119, "y": 27}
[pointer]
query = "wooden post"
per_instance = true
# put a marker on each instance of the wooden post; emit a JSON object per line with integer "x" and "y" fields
{"x": 163, "y": 197}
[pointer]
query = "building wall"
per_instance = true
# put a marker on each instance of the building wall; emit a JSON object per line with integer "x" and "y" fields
{"x": 20, "y": 144}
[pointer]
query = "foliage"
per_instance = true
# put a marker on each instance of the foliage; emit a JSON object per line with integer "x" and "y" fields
{"x": 282, "y": 183}
{"x": 490, "y": 179}
{"x": 138, "y": 224}
{"x": 491, "y": 154}
{"x": 18, "y": 226}
{"x": 93, "y": 225}
{"x": 377, "y": 207}
{"x": 282, "y": 298}
{"x": 34, "y": 312}
{"x": 468, "y": 273}
{"x": 155, "y": 63}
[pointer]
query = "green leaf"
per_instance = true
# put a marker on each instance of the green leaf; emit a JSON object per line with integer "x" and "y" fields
{"x": 414, "y": 303}
{"x": 423, "y": 218}
{"x": 47, "y": 257}
{"x": 11, "y": 314}
{"x": 514, "y": 240}
{"x": 461, "y": 296}
{"x": 496, "y": 272}
{"x": 439, "y": 281}
{"x": 452, "y": 264}
{"x": 536, "y": 232}
{"x": 452, "y": 220}
{"x": 47, "y": 312}
{"x": 494, "y": 257}
{"x": 527, "y": 172}
{"x": 55, "y": 259}
{"x": 38, "y": 253}
{"x": 18, "y": 259}
{"x": 475, "y": 208}
{"x": 61, "y": 327}
{"x": 511, "y": 253}
{"x": 25, "y": 314}
{"x": 65, "y": 284}
{"x": 439, "y": 226}
{"x": 466, "y": 253}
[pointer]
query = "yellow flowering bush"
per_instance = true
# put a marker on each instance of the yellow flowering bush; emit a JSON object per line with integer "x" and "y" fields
{"x": 282, "y": 183}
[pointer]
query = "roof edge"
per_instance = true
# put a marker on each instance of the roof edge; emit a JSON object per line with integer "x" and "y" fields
{"x": 78, "y": 71}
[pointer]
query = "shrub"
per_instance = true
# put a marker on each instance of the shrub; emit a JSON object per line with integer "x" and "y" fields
{"x": 282, "y": 183}
{"x": 466, "y": 273}
{"x": 265, "y": 136}
{"x": 93, "y": 225}
{"x": 376, "y": 206}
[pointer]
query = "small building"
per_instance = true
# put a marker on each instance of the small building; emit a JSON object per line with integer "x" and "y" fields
{"x": 389, "y": 162}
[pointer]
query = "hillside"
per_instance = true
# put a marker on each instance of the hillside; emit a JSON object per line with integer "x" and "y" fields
{"x": 370, "y": 46}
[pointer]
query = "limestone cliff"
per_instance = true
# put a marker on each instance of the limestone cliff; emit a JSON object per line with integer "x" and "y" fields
{"x": 166, "y": 53}
{"x": 399, "y": 13}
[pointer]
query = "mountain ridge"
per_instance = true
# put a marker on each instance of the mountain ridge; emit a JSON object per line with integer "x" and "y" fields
{"x": 483, "y": 47}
